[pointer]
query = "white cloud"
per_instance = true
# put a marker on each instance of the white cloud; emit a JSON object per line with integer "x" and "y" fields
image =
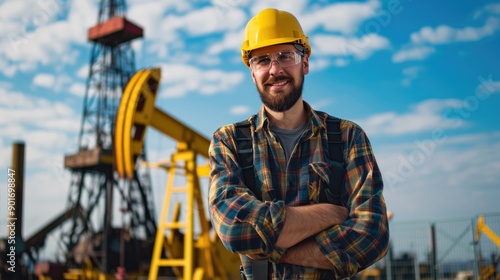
{"x": 77, "y": 89}
{"x": 48, "y": 131}
{"x": 413, "y": 53}
{"x": 295, "y": 7}
{"x": 166, "y": 32}
{"x": 239, "y": 110}
{"x": 230, "y": 42}
{"x": 410, "y": 74}
{"x": 44, "y": 45}
{"x": 489, "y": 9}
{"x": 203, "y": 21}
{"x": 348, "y": 16}
{"x": 493, "y": 8}
{"x": 55, "y": 83}
{"x": 444, "y": 34}
{"x": 12, "y": 99}
{"x": 37, "y": 36}
{"x": 423, "y": 41}
{"x": 177, "y": 5}
{"x": 320, "y": 104}
{"x": 412, "y": 71}
{"x": 424, "y": 116}
{"x": 44, "y": 80}
{"x": 179, "y": 79}
{"x": 429, "y": 169}
{"x": 47, "y": 189}
{"x": 159, "y": 49}
{"x": 6, "y": 68}
{"x": 320, "y": 63}
{"x": 149, "y": 15}
{"x": 341, "y": 62}
{"x": 31, "y": 13}
{"x": 31, "y": 113}
{"x": 82, "y": 16}
{"x": 6, "y": 85}
{"x": 83, "y": 72}
{"x": 216, "y": 81}
{"x": 360, "y": 48}
{"x": 14, "y": 9}
{"x": 487, "y": 86}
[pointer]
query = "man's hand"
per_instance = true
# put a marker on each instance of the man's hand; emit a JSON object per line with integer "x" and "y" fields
{"x": 302, "y": 222}
{"x": 306, "y": 253}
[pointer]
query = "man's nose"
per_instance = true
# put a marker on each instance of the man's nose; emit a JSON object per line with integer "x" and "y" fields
{"x": 275, "y": 67}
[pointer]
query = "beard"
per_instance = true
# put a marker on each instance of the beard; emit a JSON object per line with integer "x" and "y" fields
{"x": 283, "y": 101}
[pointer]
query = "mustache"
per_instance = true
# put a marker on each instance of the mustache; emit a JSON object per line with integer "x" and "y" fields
{"x": 277, "y": 79}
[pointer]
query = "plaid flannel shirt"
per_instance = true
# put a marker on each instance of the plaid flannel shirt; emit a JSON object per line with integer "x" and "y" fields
{"x": 249, "y": 226}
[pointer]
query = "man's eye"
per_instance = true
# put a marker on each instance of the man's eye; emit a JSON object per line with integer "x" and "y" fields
{"x": 286, "y": 56}
{"x": 263, "y": 60}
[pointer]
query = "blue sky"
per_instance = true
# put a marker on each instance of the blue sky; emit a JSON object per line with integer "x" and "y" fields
{"x": 421, "y": 77}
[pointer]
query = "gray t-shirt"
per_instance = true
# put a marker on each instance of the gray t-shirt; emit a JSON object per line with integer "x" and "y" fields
{"x": 288, "y": 137}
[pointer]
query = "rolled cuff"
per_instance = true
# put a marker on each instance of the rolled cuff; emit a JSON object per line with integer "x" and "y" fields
{"x": 344, "y": 265}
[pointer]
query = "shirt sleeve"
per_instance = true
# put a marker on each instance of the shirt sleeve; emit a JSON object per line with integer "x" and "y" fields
{"x": 363, "y": 238}
{"x": 244, "y": 224}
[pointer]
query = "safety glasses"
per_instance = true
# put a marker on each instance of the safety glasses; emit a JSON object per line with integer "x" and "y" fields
{"x": 283, "y": 58}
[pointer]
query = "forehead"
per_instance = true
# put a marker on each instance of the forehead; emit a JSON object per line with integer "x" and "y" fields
{"x": 273, "y": 48}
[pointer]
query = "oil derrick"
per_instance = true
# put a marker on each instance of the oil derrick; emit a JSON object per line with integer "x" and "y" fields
{"x": 98, "y": 198}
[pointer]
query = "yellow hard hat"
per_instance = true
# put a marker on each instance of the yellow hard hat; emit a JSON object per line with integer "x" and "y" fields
{"x": 272, "y": 27}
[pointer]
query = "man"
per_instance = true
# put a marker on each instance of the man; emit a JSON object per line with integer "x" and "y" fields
{"x": 282, "y": 220}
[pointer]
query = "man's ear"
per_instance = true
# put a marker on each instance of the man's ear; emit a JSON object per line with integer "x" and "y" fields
{"x": 305, "y": 64}
{"x": 253, "y": 76}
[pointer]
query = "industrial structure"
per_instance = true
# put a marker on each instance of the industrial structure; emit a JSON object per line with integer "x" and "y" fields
{"x": 110, "y": 181}
{"x": 87, "y": 234}
{"x": 109, "y": 229}
{"x": 94, "y": 182}
{"x": 176, "y": 246}
{"x": 487, "y": 271}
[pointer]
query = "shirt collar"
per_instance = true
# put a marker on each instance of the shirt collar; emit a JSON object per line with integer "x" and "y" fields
{"x": 316, "y": 120}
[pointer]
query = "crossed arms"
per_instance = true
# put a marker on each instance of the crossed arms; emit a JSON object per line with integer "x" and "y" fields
{"x": 302, "y": 222}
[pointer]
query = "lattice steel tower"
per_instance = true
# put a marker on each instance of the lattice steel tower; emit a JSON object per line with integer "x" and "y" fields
{"x": 98, "y": 199}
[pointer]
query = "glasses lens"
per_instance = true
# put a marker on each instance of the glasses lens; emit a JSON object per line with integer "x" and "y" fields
{"x": 287, "y": 58}
{"x": 284, "y": 59}
{"x": 260, "y": 62}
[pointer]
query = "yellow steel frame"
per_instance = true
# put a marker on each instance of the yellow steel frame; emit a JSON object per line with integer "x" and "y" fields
{"x": 136, "y": 112}
{"x": 204, "y": 258}
{"x": 483, "y": 228}
{"x": 486, "y": 272}
{"x": 87, "y": 272}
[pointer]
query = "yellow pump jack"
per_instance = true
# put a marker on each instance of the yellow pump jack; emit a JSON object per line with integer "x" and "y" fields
{"x": 190, "y": 258}
{"x": 487, "y": 272}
